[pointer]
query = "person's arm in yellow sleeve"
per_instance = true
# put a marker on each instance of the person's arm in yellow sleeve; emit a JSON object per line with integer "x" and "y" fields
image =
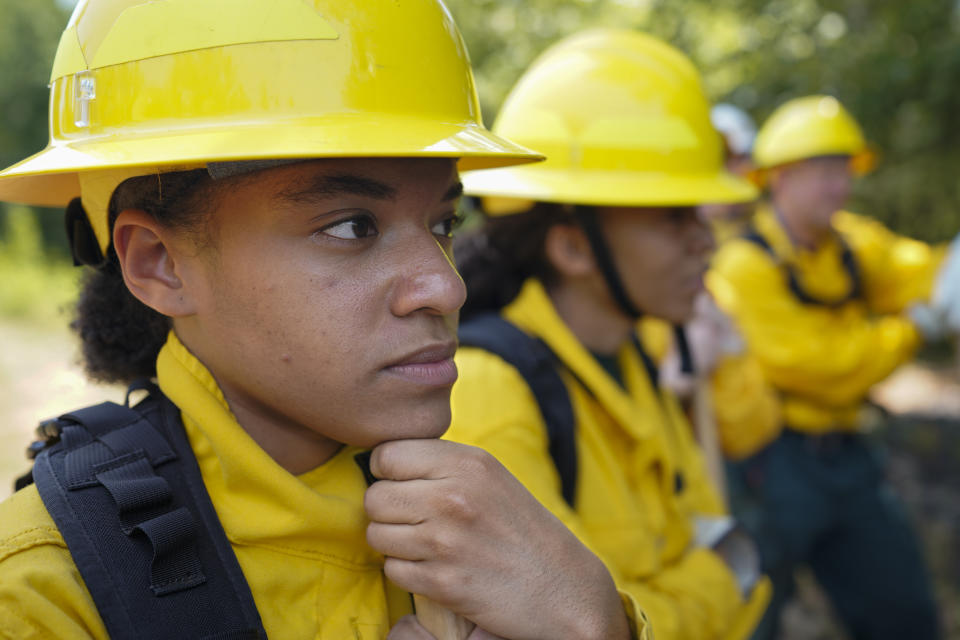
{"x": 897, "y": 271}
{"x": 831, "y": 356}
{"x": 746, "y": 406}
{"x": 693, "y": 599}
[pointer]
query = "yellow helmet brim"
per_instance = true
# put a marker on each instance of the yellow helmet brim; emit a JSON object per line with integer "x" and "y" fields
{"x": 606, "y": 188}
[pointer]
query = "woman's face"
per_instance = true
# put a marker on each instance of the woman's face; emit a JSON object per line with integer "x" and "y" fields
{"x": 661, "y": 255}
{"x": 327, "y": 302}
{"x": 809, "y": 192}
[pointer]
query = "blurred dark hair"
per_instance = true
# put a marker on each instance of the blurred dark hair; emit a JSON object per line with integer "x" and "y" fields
{"x": 120, "y": 336}
{"x": 497, "y": 258}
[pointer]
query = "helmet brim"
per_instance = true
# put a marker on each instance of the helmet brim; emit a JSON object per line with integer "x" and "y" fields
{"x": 49, "y": 178}
{"x": 609, "y": 188}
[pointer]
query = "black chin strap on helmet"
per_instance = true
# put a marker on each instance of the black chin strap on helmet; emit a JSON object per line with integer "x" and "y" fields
{"x": 586, "y": 217}
{"x": 83, "y": 241}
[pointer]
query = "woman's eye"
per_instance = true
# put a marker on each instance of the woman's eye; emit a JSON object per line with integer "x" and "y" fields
{"x": 447, "y": 226}
{"x": 352, "y": 228}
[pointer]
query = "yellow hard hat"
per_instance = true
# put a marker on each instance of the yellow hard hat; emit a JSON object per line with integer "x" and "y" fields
{"x": 810, "y": 127}
{"x": 140, "y": 87}
{"x": 623, "y": 121}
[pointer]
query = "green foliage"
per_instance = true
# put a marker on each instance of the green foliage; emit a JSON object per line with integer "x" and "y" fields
{"x": 29, "y": 33}
{"x": 38, "y": 285}
{"x": 893, "y": 64}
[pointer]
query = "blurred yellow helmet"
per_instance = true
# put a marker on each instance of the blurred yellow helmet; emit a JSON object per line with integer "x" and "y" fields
{"x": 140, "y": 87}
{"x": 623, "y": 121}
{"x": 810, "y": 127}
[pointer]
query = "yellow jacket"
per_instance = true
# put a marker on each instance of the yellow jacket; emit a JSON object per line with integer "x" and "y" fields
{"x": 631, "y": 447}
{"x": 300, "y": 540}
{"x": 823, "y": 360}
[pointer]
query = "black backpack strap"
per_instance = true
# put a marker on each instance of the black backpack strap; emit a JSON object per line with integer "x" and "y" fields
{"x": 539, "y": 366}
{"x": 124, "y": 488}
{"x": 847, "y": 258}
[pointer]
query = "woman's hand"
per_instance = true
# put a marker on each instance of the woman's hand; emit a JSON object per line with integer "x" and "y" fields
{"x": 458, "y": 528}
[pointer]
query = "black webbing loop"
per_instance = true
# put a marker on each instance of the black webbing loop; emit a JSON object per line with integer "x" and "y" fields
{"x": 175, "y": 565}
{"x": 138, "y": 492}
{"x": 587, "y": 219}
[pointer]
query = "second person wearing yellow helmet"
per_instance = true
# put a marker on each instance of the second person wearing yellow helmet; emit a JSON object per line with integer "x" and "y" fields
{"x": 829, "y": 303}
{"x": 573, "y": 253}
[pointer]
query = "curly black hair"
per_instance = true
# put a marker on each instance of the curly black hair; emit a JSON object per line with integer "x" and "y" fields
{"x": 497, "y": 258}
{"x": 120, "y": 336}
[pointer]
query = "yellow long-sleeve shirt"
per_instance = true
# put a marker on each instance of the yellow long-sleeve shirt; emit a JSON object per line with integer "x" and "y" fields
{"x": 631, "y": 445}
{"x": 823, "y": 360}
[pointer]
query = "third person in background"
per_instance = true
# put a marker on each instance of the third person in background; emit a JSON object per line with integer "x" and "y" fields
{"x": 829, "y": 303}
{"x": 738, "y": 131}
{"x": 555, "y": 380}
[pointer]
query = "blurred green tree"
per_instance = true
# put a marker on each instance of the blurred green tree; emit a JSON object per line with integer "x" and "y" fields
{"x": 893, "y": 64}
{"x": 29, "y": 32}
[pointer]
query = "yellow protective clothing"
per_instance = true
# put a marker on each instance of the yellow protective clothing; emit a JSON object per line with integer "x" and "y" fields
{"x": 824, "y": 360}
{"x": 746, "y": 406}
{"x": 809, "y": 127}
{"x": 634, "y": 450}
{"x": 140, "y": 87}
{"x": 623, "y": 121}
{"x": 300, "y": 540}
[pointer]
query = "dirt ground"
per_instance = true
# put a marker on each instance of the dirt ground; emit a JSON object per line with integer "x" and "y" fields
{"x": 40, "y": 378}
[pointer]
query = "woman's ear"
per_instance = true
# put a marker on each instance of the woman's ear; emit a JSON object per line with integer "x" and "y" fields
{"x": 149, "y": 258}
{"x": 568, "y": 250}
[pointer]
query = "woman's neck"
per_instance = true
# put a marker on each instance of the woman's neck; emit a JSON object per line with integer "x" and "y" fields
{"x": 801, "y": 233}
{"x": 591, "y": 315}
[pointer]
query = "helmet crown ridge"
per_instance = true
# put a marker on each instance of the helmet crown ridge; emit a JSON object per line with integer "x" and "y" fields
{"x": 809, "y": 127}
{"x": 623, "y": 121}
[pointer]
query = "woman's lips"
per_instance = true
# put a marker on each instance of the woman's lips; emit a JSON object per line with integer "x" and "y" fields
{"x": 431, "y": 366}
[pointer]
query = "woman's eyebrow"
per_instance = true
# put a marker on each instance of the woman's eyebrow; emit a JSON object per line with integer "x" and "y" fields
{"x": 330, "y": 186}
{"x": 454, "y": 192}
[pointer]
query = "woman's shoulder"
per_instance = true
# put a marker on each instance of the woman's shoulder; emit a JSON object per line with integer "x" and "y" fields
{"x": 26, "y": 523}
{"x": 41, "y": 592}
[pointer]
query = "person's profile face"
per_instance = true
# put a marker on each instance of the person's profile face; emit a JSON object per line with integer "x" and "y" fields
{"x": 328, "y": 300}
{"x": 816, "y": 188}
{"x": 661, "y": 254}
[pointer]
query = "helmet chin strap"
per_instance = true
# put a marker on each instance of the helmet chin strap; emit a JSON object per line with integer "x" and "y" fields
{"x": 586, "y": 217}
{"x": 83, "y": 240}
